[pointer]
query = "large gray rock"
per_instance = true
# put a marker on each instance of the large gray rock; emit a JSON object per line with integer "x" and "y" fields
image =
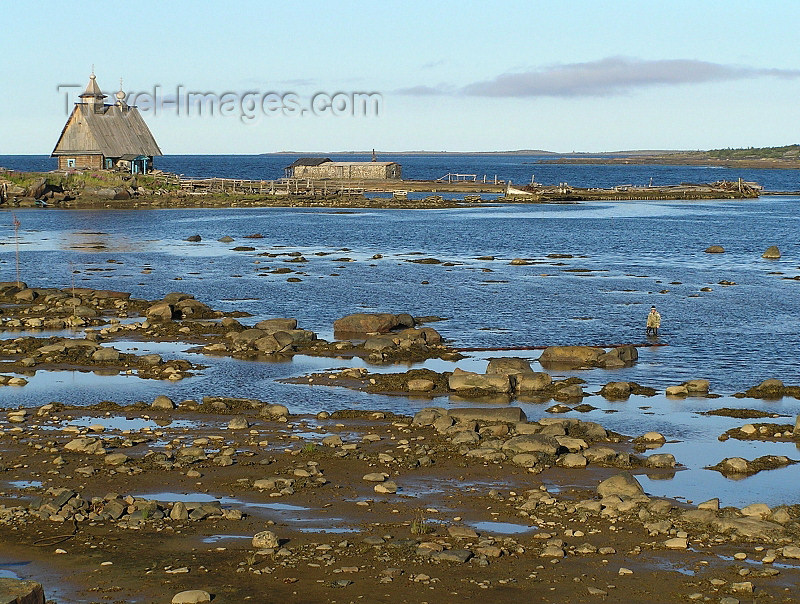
{"x": 616, "y": 390}
{"x": 623, "y": 485}
{"x": 273, "y": 325}
{"x": 660, "y": 460}
{"x": 105, "y": 355}
{"x": 16, "y": 591}
{"x": 527, "y": 383}
{"x": 508, "y": 366}
{"x": 193, "y": 309}
{"x": 265, "y": 540}
{"x": 490, "y": 414}
{"x": 238, "y": 423}
{"x": 162, "y": 402}
{"x": 92, "y": 446}
{"x": 697, "y": 387}
{"x": 532, "y": 443}
{"x": 372, "y": 322}
{"x": 246, "y": 337}
{"x": 380, "y": 343}
{"x": 750, "y": 528}
{"x": 570, "y": 356}
{"x": 191, "y": 596}
{"x": 461, "y": 381}
{"x": 161, "y": 311}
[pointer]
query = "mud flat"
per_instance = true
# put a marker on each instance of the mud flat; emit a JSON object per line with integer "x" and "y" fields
{"x": 240, "y": 499}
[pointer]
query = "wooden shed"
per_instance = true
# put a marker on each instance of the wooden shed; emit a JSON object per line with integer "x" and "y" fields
{"x": 101, "y": 136}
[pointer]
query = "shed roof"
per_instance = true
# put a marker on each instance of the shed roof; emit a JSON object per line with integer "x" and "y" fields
{"x": 309, "y": 161}
{"x": 363, "y": 163}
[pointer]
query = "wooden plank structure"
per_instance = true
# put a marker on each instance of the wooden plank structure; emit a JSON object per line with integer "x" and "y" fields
{"x": 283, "y": 186}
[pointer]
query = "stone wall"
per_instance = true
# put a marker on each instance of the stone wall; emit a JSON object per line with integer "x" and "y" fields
{"x": 355, "y": 170}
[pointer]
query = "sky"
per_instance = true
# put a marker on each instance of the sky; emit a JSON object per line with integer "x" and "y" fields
{"x": 436, "y": 75}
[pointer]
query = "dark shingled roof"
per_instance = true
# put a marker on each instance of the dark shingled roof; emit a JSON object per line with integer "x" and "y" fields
{"x": 309, "y": 161}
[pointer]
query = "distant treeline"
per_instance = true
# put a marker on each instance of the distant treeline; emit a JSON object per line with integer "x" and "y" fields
{"x": 786, "y": 152}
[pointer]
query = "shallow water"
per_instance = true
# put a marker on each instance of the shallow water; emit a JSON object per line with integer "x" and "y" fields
{"x": 627, "y": 256}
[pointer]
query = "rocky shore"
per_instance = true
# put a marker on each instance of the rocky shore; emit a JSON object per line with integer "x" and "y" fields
{"x": 240, "y": 499}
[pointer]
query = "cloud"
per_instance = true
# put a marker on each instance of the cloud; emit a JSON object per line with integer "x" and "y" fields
{"x": 432, "y": 64}
{"x": 425, "y": 90}
{"x": 606, "y": 77}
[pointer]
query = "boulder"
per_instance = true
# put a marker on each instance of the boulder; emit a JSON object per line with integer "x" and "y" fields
{"x": 652, "y": 437}
{"x": 270, "y": 326}
{"x": 420, "y": 385}
{"x": 265, "y": 540}
{"x": 380, "y": 343}
{"x": 270, "y": 345}
{"x": 491, "y": 414}
{"x": 424, "y": 335}
{"x": 372, "y": 322}
{"x": 771, "y": 388}
{"x": 191, "y": 596}
{"x": 508, "y": 366}
{"x": 616, "y": 390}
{"x": 772, "y": 253}
{"x": 569, "y": 392}
{"x": 162, "y": 402}
{"x": 460, "y": 381}
{"x": 238, "y": 423}
{"x": 570, "y": 356}
{"x": 618, "y": 357}
{"x": 697, "y": 387}
{"x": 734, "y": 465}
{"x": 532, "y": 443}
{"x": 193, "y": 309}
{"x": 660, "y": 460}
{"x": 16, "y": 591}
{"x": 532, "y": 382}
{"x": 175, "y": 297}
{"x": 427, "y": 416}
{"x": 275, "y": 410}
{"x": 105, "y": 355}
{"x": 715, "y": 249}
{"x": 623, "y": 485}
{"x": 572, "y": 460}
{"x": 677, "y": 391}
{"x": 92, "y": 446}
{"x": 796, "y": 430}
{"x": 161, "y": 311}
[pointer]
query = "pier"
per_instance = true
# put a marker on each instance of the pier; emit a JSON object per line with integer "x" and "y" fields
{"x": 468, "y": 184}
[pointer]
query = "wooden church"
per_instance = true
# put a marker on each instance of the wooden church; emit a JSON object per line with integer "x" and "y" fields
{"x": 105, "y": 137}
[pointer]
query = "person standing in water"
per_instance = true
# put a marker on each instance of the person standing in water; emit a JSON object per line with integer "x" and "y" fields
{"x": 653, "y": 321}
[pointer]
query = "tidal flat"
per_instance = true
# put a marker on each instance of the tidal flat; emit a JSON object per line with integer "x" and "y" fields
{"x": 184, "y": 416}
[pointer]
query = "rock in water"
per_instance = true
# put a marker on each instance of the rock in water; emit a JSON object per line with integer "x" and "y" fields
{"x": 508, "y": 366}
{"x": 772, "y": 253}
{"x": 715, "y": 249}
{"x": 192, "y": 596}
{"x": 15, "y": 591}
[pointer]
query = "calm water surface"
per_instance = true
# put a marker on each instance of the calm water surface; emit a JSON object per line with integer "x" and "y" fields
{"x": 626, "y": 257}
